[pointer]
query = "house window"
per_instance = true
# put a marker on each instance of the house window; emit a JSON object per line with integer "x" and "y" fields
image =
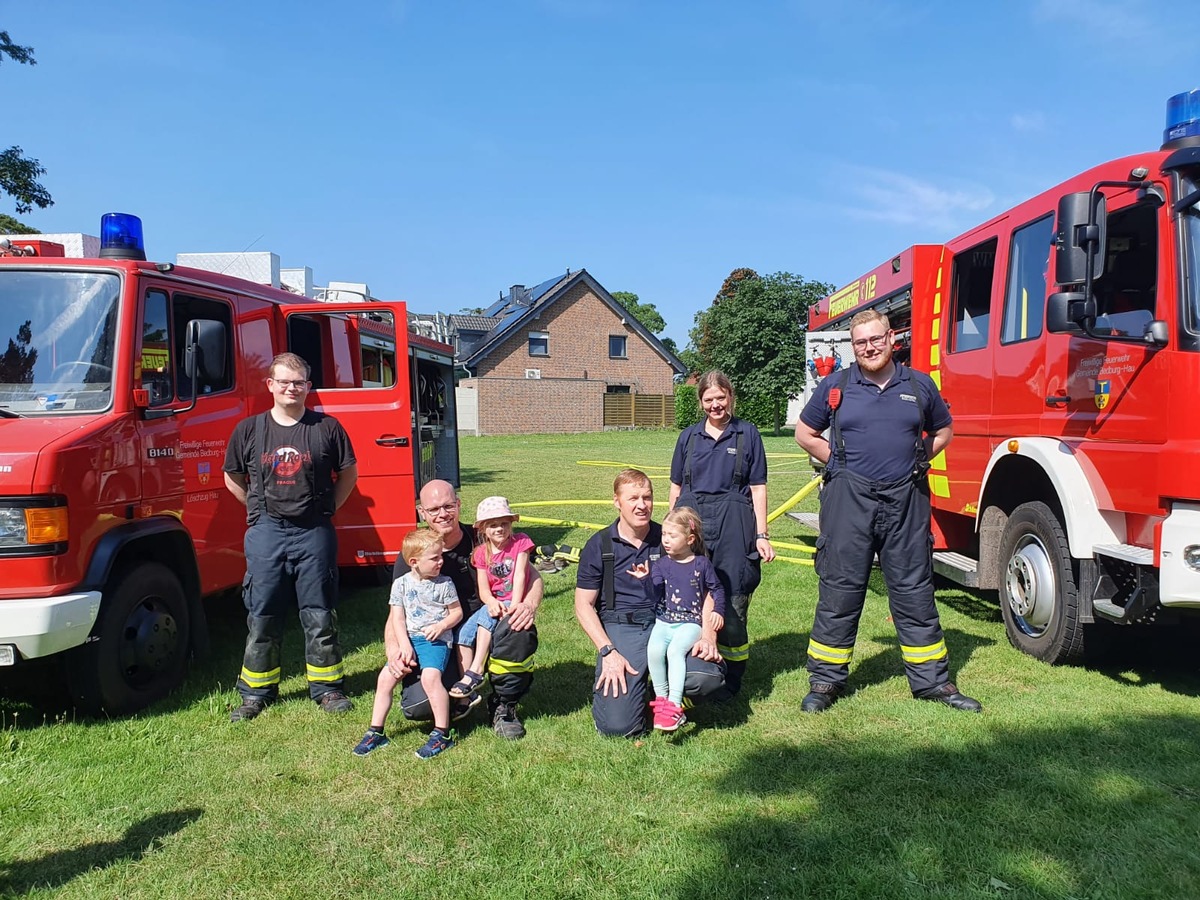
{"x": 617, "y": 389}
{"x": 616, "y": 346}
{"x": 539, "y": 343}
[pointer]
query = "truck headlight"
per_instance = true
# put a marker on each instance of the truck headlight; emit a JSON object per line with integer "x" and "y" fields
{"x": 32, "y": 526}
{"x": 1191, "y": 557}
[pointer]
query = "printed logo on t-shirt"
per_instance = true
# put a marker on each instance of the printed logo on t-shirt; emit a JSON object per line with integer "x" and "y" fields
{"x": 731, "y": 450}
{"x": 285, "y": 463}
{"x": 909, "y": 397}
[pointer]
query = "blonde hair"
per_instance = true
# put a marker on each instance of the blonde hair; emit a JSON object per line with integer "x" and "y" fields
{"x": 630, "y": 476}
{"x": 290, "y": 361}
{"x": 867, "y": 316}
{"x": 417, "y": 542}
{"x": 689, "y": 520}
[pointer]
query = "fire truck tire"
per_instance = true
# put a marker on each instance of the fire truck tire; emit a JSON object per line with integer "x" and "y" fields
{"x": 1039, "y": 596}
{"x": 138, "y": 651}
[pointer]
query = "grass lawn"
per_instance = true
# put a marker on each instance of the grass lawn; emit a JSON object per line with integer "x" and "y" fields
{"x": 1075, "y": 782}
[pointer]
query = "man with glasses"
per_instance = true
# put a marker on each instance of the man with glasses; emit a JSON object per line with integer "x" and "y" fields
{"x": 281, "y": 465}
{"x": 886, "y": 422}
{"x": 515, "y": 638}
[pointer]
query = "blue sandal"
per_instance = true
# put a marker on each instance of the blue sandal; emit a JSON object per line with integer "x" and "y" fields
{"x": 466, "y": 685}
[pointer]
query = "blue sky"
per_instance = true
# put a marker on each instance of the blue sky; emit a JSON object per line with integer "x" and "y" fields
{"x": 441, "y": 151}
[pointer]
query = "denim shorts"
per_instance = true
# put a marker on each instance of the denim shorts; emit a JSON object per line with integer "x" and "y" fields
{"x": 466, "y": 632}
{"x": 430, "y": 654}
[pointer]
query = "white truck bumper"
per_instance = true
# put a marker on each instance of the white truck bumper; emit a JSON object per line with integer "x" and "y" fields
{"x": 46, "y": 625}
{"x": 1179, "y": 583}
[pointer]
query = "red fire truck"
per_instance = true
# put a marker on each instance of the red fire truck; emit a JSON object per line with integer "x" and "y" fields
{"x": 1065, "y": 335}
{"x": 120, "y": 383}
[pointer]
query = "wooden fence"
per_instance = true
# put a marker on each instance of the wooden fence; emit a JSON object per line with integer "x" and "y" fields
{"x": 639, "y": 410}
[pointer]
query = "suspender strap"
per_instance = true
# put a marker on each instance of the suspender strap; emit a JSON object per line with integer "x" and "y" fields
{"x": 608, "y": 558}
{"x": 687, "y": 461}
{"x": 260, "y": 447}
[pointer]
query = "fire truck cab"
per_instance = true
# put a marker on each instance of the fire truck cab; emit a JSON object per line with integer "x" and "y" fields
{"x": 1065, "y": 336}
{"x": 120, "y": 383}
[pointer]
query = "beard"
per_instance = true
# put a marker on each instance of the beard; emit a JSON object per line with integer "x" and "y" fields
{"x": 879, "y": 363}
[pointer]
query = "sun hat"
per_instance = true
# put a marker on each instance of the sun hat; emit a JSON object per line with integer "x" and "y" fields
{"x": 493, "y": 508}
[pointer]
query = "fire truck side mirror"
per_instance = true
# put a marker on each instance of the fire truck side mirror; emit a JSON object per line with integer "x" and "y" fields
{"x": 204, "y": 351}
{"x": 1067, "y": 311}
{"x": 1082, "y": 221}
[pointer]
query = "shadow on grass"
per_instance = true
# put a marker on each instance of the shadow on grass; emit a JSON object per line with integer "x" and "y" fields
{"x": 1046, "y": 812}
{"x": 56, "y": 869}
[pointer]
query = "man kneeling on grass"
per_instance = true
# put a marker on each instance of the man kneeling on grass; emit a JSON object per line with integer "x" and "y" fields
{"x": 424, "y": 611}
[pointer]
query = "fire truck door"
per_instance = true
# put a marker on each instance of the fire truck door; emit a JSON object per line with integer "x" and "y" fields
{"x": 358, "y": 354}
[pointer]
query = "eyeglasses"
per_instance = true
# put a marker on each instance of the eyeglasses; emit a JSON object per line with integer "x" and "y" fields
{"x": 298, "y": 385}
{"x": 875, "y": 340}
{"x": 444, "y": 508}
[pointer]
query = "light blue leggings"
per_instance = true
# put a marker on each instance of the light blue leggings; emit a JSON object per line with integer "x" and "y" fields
{"x": 666, "y": 656}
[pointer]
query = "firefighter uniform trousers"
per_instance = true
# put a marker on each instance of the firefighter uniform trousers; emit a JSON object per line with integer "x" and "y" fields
{"x": 728, "y": 520}
{"x": 289, "y": 565}
{"x": 860, "y": 518}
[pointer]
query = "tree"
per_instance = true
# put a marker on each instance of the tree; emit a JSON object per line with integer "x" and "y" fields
{"x": 9, "y": 225}
{"x": 650, "y": 318}
{"x": 757, "y": 339}
{"x": 17, "y": 362}
{"x": 19, "y": 174}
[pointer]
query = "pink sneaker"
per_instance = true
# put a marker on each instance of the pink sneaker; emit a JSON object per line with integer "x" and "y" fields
{"x": 669, "y": 716}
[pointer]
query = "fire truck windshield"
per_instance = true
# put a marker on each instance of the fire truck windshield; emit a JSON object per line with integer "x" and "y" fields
{"x": 57, "y": 334}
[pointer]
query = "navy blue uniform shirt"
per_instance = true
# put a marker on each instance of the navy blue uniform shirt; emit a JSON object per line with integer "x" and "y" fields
{"x": 879, "y": 426}
{"x": 713, "y": 461}
{"x": 632, "y": 593}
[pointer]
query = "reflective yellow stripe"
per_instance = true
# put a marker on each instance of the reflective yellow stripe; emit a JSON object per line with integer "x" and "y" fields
{"x": 325, "y": 673}
{"x": 939, "y": 485}
{"x": 507, "y": 666}
{"x": 260, "y": 679}
{"x": 924, "y": 654}
{"x": 740, "y": 653}
{"x": 839, "y": 656}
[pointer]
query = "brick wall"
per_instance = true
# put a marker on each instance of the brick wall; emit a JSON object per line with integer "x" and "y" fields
{"x": 579, "y": 325}
{"x": 537, "y": 406}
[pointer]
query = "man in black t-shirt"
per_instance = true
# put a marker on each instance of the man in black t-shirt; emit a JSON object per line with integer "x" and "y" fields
{"x": 281, "y": 466}
{"x": 515, "y": 639}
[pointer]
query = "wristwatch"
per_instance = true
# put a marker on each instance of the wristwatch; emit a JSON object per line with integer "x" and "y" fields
{"x": 606, "y": 649}
{"x": 762, "y": 536}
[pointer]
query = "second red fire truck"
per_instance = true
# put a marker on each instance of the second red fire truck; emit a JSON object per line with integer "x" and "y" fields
{"x": 1065, "y": 335}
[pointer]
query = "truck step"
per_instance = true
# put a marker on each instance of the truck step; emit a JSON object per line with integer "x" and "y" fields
{"x": 808, "y": 519}
{"x": 957, "y": 567}
{"x": 1142, "y": 556}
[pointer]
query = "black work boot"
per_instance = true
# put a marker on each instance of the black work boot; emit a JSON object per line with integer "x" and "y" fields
{"x": 505, "y": 721}
{"x": 820, "y": 697}
{"x": 949, "y": 695}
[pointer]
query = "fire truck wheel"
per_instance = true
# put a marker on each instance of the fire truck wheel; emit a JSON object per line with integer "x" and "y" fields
{"x": 138, "y": 650}
{"x": 1038, "y": 589}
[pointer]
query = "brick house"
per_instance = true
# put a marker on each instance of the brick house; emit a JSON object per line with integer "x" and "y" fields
{"x": 552, "y": 352}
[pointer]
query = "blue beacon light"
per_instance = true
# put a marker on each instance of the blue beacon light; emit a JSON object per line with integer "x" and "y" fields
{"x": 121, "y": 237}
{"x": 1183, "y": 117}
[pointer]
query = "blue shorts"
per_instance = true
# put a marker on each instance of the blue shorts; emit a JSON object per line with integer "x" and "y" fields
{"x": 465, "y": 633}
{"x": 430, "y": 654}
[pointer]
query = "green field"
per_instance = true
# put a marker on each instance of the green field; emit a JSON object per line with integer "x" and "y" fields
{"x": 1075, "y": 782}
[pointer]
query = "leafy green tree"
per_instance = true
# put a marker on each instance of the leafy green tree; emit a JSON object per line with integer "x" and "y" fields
{"x": 18, "y": 173}
{"x": 645, "y": 313}
{"x": 9, "y": 225}
{"x": 754, "y": 332}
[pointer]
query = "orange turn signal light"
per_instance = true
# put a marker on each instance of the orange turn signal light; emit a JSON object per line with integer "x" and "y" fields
{"x": 1014, "y": 445}
{"x": 46, "y": 525}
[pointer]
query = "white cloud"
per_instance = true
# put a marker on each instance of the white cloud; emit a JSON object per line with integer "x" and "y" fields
{"x": 901, "y": 199}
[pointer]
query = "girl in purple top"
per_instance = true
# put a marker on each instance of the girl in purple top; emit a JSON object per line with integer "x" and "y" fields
{"x": 689, "y": 597}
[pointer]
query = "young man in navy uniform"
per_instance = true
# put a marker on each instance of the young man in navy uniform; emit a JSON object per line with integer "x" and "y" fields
{"x": 886, "y": 422}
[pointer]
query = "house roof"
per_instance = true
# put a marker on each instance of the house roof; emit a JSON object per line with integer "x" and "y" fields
{"x": 467, "y": 322}
{"x": 523, "y": 304}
